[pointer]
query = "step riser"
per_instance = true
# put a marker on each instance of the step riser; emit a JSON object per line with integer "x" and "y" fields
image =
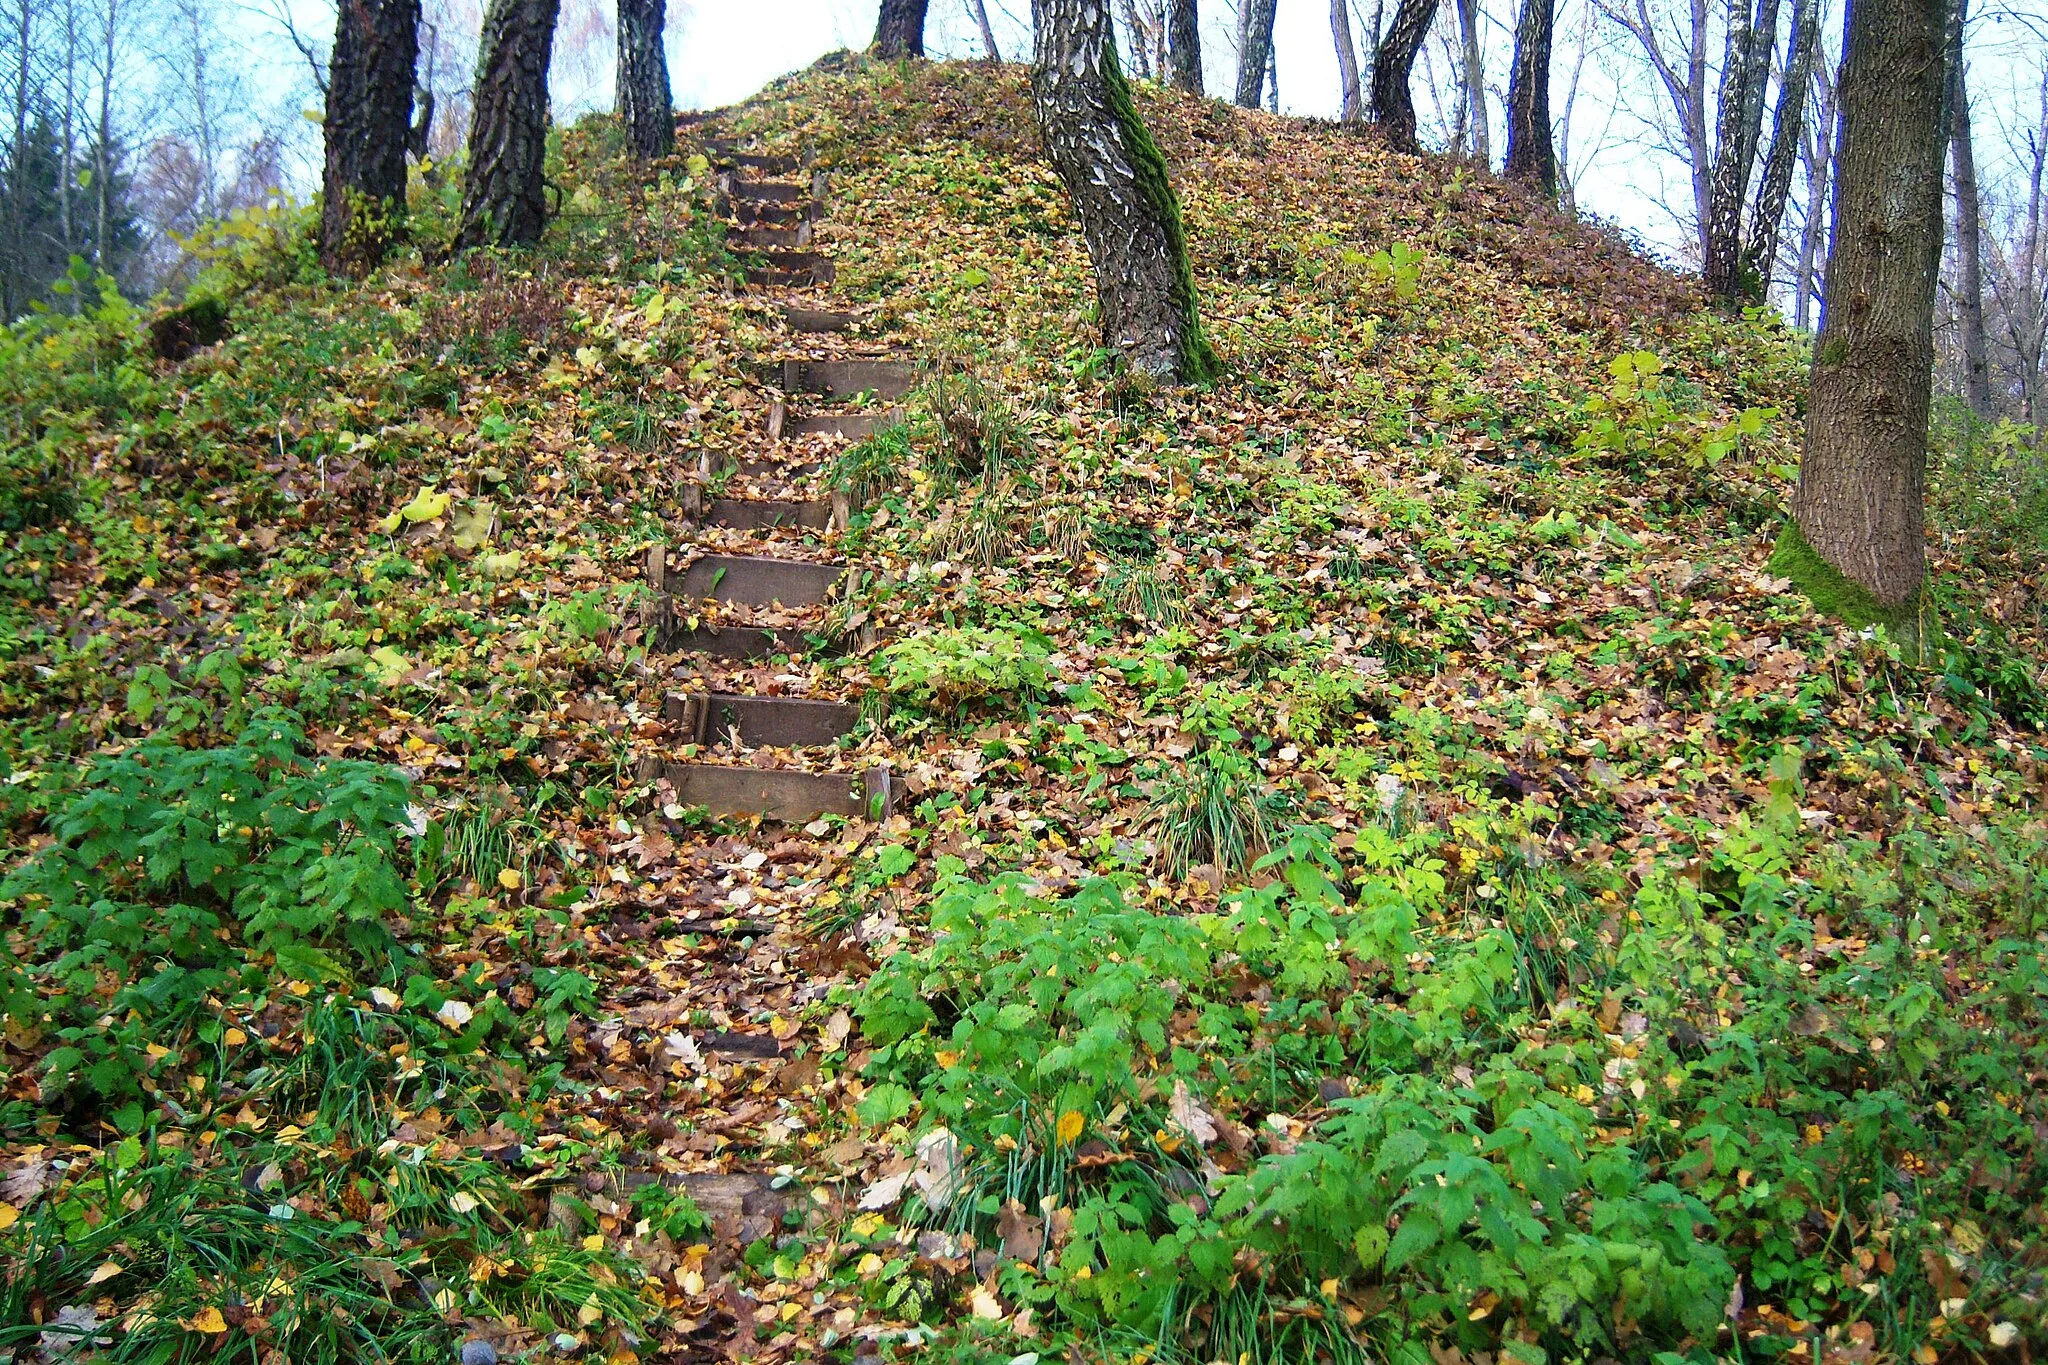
{"x": 790, "y": 797}
{"x": 885, "y": 379}
{"x": 749, "y": 582}
{"x": 848, "y": 426}
{"x": 747, "y": 514}
{"x": 778, "y": 722}
{"x": 817, "y": 320}
{"x": 766, "y": 192}
{"x": 777, "y": 238}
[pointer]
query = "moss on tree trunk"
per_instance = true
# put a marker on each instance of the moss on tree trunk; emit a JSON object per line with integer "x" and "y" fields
{"x": 1117, "y": 181}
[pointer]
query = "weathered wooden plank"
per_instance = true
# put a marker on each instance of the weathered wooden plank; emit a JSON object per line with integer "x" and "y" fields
{"x": 748, "y": 212}
{"x": 753, "y": 581}
{"x": 763, "y": 514}
{"x": 767, "y": 192}
{"x": 818, "y": 320}
{"x": 767, "y": 163}
{"x": 886, "y": 379}
{"x": 784, "y": 722}
{"x": 777, "y": 237}
{"x": 774, "y": 794}
{"x": 850, "y": 426}
{"x": 735, "y": 642}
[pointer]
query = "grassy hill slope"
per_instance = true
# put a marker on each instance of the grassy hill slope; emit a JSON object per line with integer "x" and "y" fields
{"x": 1386, "y": 870}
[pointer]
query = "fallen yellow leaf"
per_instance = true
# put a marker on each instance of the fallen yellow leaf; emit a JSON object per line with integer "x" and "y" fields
{"x": 509, "y": 878}
{"x": 104, "y": 1273}
{"x": 1071, "y": 1124}
{"x": 206, "y": 1320}
{"x": 9, "y": 1216}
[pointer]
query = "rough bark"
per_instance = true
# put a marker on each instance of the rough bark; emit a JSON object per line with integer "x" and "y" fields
{"x": 504, "y": 194}
{"x": 1116, "y": 180}
{"x": 1254, "y": 49}
{"x": 1393, "y": 104}
{"x": 899, "y": 28}
{"x": 1745, "y": 75}
{"x": 1184, "y": 45}
{"x": 1857, "y": 543}
{"x": 369, "y": 111}
{"x": 1532, "y": 159}
{"x": 1767, "y": 215}
{"x": 645, "y": 109}
{"x": 988, "y": 34}
{"x": 1353, "y": 107}
{"x": 1969, "y": 290}
{"x": 1472, "y": 81}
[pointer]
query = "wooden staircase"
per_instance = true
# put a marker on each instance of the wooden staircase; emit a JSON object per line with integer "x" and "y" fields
{"x": 826, "y": 401}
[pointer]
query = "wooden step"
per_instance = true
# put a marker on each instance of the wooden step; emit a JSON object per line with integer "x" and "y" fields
{"x": 752, "y": 581}
{"x": 818, "y": 320}
{"x": 760, "y": 514}
{"x": 767, "y": 192}
{"x": 751, "y": 213}
{"x": 846, "y": 426}
{"x": 791, "y": 797}
{"x": 797, "y": 268}
{"x": 886, "y": 379}
{"x": 781, "y": 722}
{"x": 764, "y": 238}
{"x": 733, "y": 642}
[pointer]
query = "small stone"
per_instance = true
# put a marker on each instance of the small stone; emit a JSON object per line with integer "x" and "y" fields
{"x": 477, "y": 1351}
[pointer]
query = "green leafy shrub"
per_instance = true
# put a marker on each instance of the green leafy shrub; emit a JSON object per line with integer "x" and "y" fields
{"x": 960, "y": 666}
{"x": 169, "y": 863}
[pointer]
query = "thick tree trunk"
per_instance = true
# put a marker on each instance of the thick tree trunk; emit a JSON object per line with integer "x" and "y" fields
{"x": 1969, "y": 237}
{"x": 1739, "y": 122}
{"x": 1767, "y": 216}
{"x": 899, "y": 28}
{"x": 1254, "y": 49}
{"x": 643, "y": 95}
{"x": 1393, "y": 105}
{"x": 1532, "y": 159}
{"x": 1184, "y": 43}
{"x": 1472, "y": 81}
{"x": 504, "y": 192}
{"x": 369, "y": 110}
{"x": 988, "y": 34}
{"x": 1857, "y": 544}
{"x": 1117, "y": 182}
{"x": 1353, "y": 107}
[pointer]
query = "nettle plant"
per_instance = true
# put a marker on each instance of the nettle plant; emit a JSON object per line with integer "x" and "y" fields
{"x": 170, "y": 864}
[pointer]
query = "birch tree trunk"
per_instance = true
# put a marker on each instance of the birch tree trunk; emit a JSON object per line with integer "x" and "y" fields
{"x": 1767, "y": 216}
{"x": 1393, "y": 105}
{"x": 1819, "y": 159}
{"x": 1353, "y": 106}
{"x": 369, "y": 112}
{"x": 504, "y": 193}
{"x": 1254, "y": 49}
{"x": 1184, "y": 42}
{"x": 899, "y": 28}
{"x": 1473, "y": 81}
{"x": 1969, "y": 236}
{"x": 645, "y": 108}
{"x": 1532, "y": 160}
{"x": 1744, "y": 76}
{"x": 1116, "y": 180}
{"x": 1857, "y": 541}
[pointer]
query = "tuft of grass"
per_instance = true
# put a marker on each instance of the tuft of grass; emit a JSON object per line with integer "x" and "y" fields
{"x": 864, "y": 469}
{"x": 979, "y": 432}
{"x": 1207, "y": 812}
{"x": 1144, "y": 592}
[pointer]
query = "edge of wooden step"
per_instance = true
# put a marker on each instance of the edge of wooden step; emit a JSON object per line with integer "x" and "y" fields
{"x": 784, "y": 795}
{"x": 780, "y": 722}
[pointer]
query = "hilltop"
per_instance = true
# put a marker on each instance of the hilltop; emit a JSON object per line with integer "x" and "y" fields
{"x": 1377, "y": 863}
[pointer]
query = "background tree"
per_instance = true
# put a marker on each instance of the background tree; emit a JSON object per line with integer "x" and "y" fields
{"x": 1393, "y": 105}
{"x": 1116, "y": 180}
{"x": 1184, "y": 45}
{"x": 1738, "y": 128}
{"x": 1472, "y": 119}
{"x": 899, "y": 28}
{"x": 1767, "y": 214}
{"x": 1532, "y": 159}
{"x": 988, "y": 33}
{"x": 1968, "y": 290}
{"x": 504, "y": 193}
{"x": 1351, "y": 100}
{"x": 642, "y": 87}
{"x": 1255, "y": 56}
{"x": 1857, "y": 541}
{"x": 369, "y": 114}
